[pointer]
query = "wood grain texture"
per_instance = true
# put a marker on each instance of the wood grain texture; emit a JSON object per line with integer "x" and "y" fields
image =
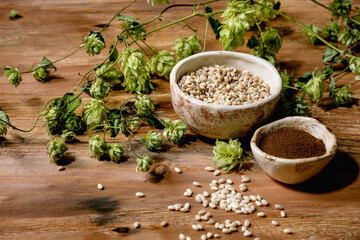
{"x": 39, "y": 202}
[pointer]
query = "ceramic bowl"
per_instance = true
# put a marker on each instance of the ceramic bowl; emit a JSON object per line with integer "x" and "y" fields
{"x": 292, "y": 171}
{"x": 222, "y": 121}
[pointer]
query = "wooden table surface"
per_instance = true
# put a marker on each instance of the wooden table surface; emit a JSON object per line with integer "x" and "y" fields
{"x": 39, "y": 202}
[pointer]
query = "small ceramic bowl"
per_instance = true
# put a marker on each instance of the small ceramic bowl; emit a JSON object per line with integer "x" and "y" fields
{"x": 222, "y": 121}
{"x": 292, "y": 171}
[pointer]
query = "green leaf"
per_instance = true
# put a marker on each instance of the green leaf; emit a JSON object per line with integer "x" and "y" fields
{"x": 115, "y": 124}
{"x": 327, "y": 71}
{"x": 214, "y": 23}
{"x": 114, "y": 55}
{"x": 154, "y": 121}
{"x": 74, "y": 102}
{"x": 253, "y": 42}
{"x": 332, "y": 85}
{"x": 126, "y": 18}
{"x": 4, "y": 117}
{"x": 331, "y": 56}
{"x": 46, "y": 63}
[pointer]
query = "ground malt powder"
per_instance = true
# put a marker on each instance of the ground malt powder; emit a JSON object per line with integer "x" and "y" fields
{"x": 292, "y": 143}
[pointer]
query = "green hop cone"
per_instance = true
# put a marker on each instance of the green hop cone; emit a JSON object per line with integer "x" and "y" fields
{"x": 132, "y": 29}
{"x": 355, "y": 65}
{"x": 231, "y": 40}
{"x": 95, "y": 113}
{"x": 109, "y": 74}
{"x": 133, "y": 123}
{"x": 98, "y": 147}
{"x": 99, "y": 89}
{"x": 41, "y": 74}
{"x": 144, "y": 104}
{"x": 271, "y": 40}
{"x": 52, "y": 120}
{"x": 194, "y": 42}
{"x": 93, "y": 43}
{"x": 315, "y": 87}
{"x": 174, "y": 131}
{"x": 152, "y": 141}
{"x": 133, "y": 63}
{"x": 143, "y": 84}
{"x": 310, "y": 34}
{"x": 239, "y": 16}
{"x": 349, "y": 36}
{"x": 13, "y": 15}
{"x": 115, "y": 151}
{"x": 228, "y": 155}
{"x": 13, "y": 75}
{"x": 340, "y": 7}
{"x": 332, "y": 31}
{"x": 68, "y": 136}
{"x": 56, "y": 149}
{"x": 144, "y": 163}
{"x": 162, "y": 63}
{"x": 75, "y": 124}
{"x": 342, "y": 96}
{"x": 182, "y": 48}
{"x": 264, "y": 10}
{"x": 185, "y": 47}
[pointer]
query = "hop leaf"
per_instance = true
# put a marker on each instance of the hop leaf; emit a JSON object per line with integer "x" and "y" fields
{"x": 152, "y": 141}
{"x": 95, "y": 113}
{"x": 115, "y": 151}
{"x": 68, "y": 136}
{"x": 271, "y": 39}
{"x": 162, "y": 63}
{"x": 3, "y": 125}
{"x": 144, "y": 163}
{"x": 98, "y": 147}
{"x": 294, "y": 106}
{"x": 355, "y": 65}
{"x": 56, "y": 149}
{"x": 99, "y": 89}
{"x": 228, "y": 155}
{"x": 315, "y": 87}
{"x": 174, "y": 131}
{"x": 145, "y": 105}
{"x": 13, "y": 75}
{"x": 93, "y": 43}
{"x": 341, "y": 96}
{"x": 109, "y": 74}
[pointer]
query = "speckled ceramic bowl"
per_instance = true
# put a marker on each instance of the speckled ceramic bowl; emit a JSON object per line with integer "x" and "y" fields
{"x": 222, "y": 121}
{"x": 292, "y": 171}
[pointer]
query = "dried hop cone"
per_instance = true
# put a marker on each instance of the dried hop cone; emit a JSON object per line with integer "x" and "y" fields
{"x": 68, "y": 136}
{"x": 342, "y": 96}
{"x": 13, "y": 75}
{"x": 93, "y": 43}
{"x": 41, "y": 74}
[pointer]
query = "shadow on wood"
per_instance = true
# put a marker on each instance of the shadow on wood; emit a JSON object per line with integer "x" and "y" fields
{"x": 339, "y": 173}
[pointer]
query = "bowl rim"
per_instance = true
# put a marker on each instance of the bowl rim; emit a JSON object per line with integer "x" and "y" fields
{"x": 267, "y": 64}
{"x": 329, "y": 151}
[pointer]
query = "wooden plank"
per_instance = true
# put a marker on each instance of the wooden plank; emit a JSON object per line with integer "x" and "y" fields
{"x": 39, "y": 202}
